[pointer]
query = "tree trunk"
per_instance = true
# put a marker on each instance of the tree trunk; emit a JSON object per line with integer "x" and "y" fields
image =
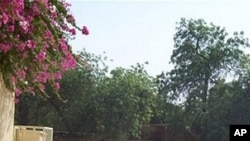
{"x": 203, "y": 134}
{"x": 6, "y": 112}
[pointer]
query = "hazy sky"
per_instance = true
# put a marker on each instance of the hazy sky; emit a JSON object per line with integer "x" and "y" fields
{"x": 139, "y": 31}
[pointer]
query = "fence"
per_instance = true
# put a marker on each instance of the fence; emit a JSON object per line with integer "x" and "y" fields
{"x": 32, "y": 133}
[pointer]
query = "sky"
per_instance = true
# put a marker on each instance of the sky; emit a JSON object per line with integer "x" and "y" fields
{"x": 131, "y": 32}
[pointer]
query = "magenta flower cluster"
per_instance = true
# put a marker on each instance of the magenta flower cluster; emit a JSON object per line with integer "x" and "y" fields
{"x": 34, "y": 47}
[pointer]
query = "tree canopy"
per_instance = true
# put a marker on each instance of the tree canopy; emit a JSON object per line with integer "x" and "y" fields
{"x": 203, "y": 56}
{"x": 205, "y": 92}
{"x": 96, "y": 104}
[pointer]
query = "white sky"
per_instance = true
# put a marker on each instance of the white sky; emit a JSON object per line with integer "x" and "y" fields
{"x": 139, "y": 31}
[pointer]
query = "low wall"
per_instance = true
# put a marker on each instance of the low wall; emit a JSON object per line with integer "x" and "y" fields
{"x": 57, "y": 138}
{"x": 154, "y": 132}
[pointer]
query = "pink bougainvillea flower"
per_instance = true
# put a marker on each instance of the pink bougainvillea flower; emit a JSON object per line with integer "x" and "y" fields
{"x": 53, "y": 64}
{"x": 52, "y": 9}
{"x": 71, "y": 19}
{"x": 68, "y": 63}
{"x": 35, "y": 34}
{"x": 4, "y": 48}
{"x": 12, "y": 80}
{"x": 21, "y": 47}
{"x": 21, "y": 74}
{"x": 58, "y": 75}
{"x": 63, "y": 45}
{"x": 24, "y": 25}
{"x": 42, "y": 77}
{"x": 56, "y": 85}
{"x": 41, "y": 56}
{"x": 45, "y": 67}
{"x": 35, "y": 8}
{"x": 11, "y": 28}
{"x": 30, "y": 44}
{"x": 4, "y": 18}
{"x": 48, "y": 34}
{"x": 18, "y": 92}
{"x": 85, "y": 30}
{"x": 72, "y": 31}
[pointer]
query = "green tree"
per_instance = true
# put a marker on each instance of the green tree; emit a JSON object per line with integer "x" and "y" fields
{"x": 220, "y": 100}
{"x": 127, "y": 101}
{"x": 80, "y": 113}
{"x": 203, "y": 55}
{"x": 95, "y": 104}
{"x": 227, "y": 104}
{"x": 75, "y": 111}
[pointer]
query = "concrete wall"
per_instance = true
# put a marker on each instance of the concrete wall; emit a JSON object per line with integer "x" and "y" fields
{"x": 6, "y": 112}
{"x": 149, "y": 133}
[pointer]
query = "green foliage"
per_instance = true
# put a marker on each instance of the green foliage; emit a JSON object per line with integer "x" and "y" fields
{"x": 204, "y": 56}
{"x": 95, "y": 103}
{"x": 202, "y": 53}
{"x": 127, "y": 95}
{"x": 79, "y": 93}
{"x": 194, "y": 97}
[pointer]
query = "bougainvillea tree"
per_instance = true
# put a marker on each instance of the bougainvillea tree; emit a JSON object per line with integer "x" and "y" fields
{"x": 34, "y": 51}
{"x": 33, "y": 43}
